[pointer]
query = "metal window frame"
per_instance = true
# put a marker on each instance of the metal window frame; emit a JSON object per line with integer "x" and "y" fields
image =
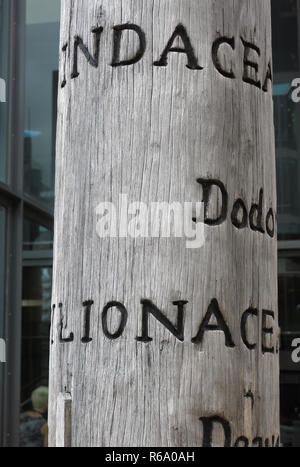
{"x": 288, "y": 245}
{"x": 18, "y": 206}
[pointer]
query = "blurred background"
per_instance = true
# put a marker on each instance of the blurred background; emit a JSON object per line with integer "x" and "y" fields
{"x": 29, "y": 45}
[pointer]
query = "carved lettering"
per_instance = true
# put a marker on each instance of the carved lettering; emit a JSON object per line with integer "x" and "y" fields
{"x": 242, "y": 442}
{"x": 188, "y": 49}
{"x": 64, "y": 50}
{"x": 150, "y": 309}
{"x": 207, "y": 187}
{"x": 256, "y": 215}
{"x": 258, "y": 442}
{"x": 239, "y": 213}
{"x": 239, "y": 207}
{"x": 244, "y": 321}
{"x": 270, "y": 223}
{"x": 267, "y": 331}
{"x": 214, "y": 311}
{"x": 92, "y": 60}
{"x": 86, "y": 339}
{"x": 269, "y": 77}
{"x": 215, "y": 55}
{"x": 123, "y": 321}
{"x": 210, "y": 423}
{"x": 213, "y": 321}
{"x": 250, "y": 65}
{"x": 208, "y": 427}
{"x": 118, "y": 32}
{"x": 64, "y": 340}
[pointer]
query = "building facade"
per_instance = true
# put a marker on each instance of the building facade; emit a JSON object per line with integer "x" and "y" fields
{"x": 29, "y": 38}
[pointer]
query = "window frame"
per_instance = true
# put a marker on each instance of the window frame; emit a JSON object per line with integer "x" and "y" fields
{"x": 18, "y": 206}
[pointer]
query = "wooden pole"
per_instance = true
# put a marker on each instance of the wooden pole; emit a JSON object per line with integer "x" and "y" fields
{"x": 165, "y": 341}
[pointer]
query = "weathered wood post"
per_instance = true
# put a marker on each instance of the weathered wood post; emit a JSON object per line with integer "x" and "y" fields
{"x": 160, "y": 341}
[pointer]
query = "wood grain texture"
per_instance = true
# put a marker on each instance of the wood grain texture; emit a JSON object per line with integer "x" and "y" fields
{"x": 151, "y": 132}
{"x": 63, "y": 421}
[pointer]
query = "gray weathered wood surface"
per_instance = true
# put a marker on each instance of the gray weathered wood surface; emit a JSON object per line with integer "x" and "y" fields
{"x": 63, "y": 421}
{"x": 150, "y": 132}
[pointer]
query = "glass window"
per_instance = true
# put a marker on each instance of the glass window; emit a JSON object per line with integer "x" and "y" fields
{"x": 2, "y": 307}
{"x": 290, "y": 409}
{"x": 286, "y": 59}
{"x": 286, "y": 63}
{"x": 285, "y": 35}
{"x": 36, "y": 316}
{"x": 36, "y": 309}
{"x": 42, "y": 48}
{"x": 36, "y": 238}
{"x": 4, "y": 12}
{"x": 289, "y": 319}
{"x": 289, "y": 300}
{"x": 2, "y": 268}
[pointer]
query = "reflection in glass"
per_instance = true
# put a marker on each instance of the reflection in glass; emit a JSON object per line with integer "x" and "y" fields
{"x": 289, "y": 319}
{"x": 42, "y": 46}
{"x": 2, "y": 304}
{"x": 36, "y": 309}
{"x": 287, "y": 124}
{"x": 36, "y": 316}
{"x": 2, "y": 269}
{"x": 36, "y": 237}
{"x": 289, "y": 300}
{"x": 286, "y": 61}
{"x": 4, "y": 12}
{"x": 285, "y": 35}
{"x": 290, "y": 409}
